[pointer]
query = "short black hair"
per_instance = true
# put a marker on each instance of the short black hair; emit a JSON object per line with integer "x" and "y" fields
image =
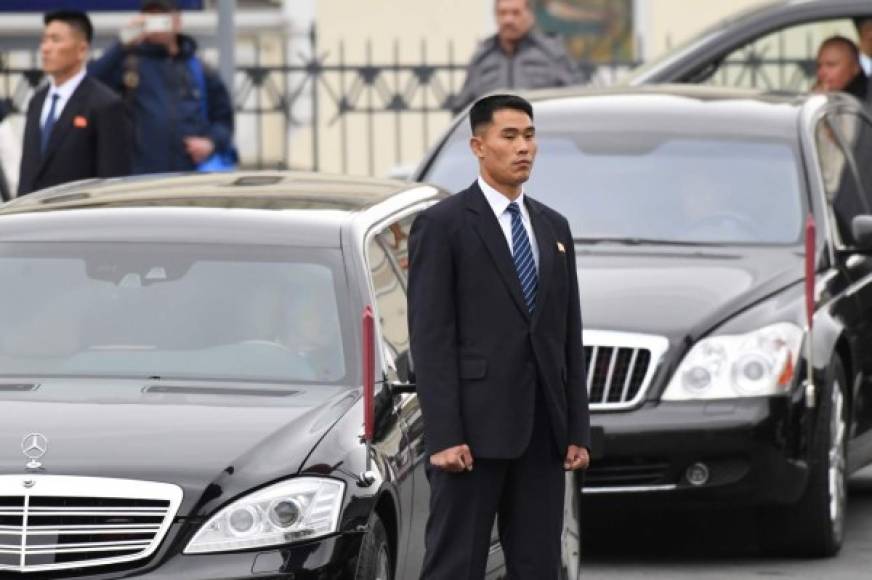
{"x": 861, "y": 20}
{"x": 844, "y": 41}
{"x": 77, "y": 19}
{"x": 482, "y": 112}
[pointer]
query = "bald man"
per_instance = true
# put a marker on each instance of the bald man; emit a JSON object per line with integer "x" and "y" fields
{"x": 838, "y": 68}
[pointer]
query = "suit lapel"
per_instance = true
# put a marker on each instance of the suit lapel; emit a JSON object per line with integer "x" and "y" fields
{"x": 33, "y": 136}
{"x": 547, "y": 244}
{"x": 488, "y": 229}
{"x": 64, "y": 123}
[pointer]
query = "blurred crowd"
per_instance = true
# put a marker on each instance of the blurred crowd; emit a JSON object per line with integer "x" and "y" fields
{"x": 149, "y": 104}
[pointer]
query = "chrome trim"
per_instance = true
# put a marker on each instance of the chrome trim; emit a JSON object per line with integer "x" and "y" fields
{"x": 629, "y": 489}
{"x": 655, "y": 344}
{"x": 61, "y": 486}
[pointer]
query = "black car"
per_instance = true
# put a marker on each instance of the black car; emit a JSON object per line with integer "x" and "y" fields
{"x": 691, "y": 207}
{"x": 771, "y": 46}
{"x": 206, "y": 377}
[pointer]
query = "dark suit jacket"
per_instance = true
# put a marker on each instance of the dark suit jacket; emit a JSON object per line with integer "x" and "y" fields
{"x": 478, "y": 353}
{"x": 91, "y": 138}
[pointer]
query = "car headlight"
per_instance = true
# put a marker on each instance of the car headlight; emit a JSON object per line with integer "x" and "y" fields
{"x": 757, "y": 364}
{"x": 297, "y": 509}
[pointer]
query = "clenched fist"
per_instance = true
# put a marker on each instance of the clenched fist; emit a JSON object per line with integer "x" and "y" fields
{"x": 454, "y": 459}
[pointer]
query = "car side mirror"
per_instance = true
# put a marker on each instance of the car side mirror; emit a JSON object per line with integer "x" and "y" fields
{"x": 861, "y": 227}
{"x": 405, "y": 373}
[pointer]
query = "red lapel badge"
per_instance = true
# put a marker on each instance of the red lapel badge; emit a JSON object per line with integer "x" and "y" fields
{"x": 80, "y": 122}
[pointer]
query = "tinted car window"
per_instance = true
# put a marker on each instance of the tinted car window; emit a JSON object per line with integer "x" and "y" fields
{"x": 172, "y": 310}
{"x": 839, "y": 178}
{"x": 857, "y": 133}
{"x": 784, "y": 59}
{"x": 656, "y": 186}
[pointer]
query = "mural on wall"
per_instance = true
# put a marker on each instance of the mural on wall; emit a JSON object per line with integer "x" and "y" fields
{"x": 597, "y": 31}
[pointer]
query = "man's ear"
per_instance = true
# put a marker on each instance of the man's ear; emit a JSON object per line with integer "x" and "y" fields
{"x": 477, "y": 146}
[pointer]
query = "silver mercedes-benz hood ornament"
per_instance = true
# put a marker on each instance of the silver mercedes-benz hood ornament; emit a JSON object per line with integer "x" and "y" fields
{"x": 34, "y": 446}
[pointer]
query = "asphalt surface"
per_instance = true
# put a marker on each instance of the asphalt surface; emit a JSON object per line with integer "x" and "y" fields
{"x": 722, "y": 545}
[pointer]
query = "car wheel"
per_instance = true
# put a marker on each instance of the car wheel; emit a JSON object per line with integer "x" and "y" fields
{"x": 374, "y": 562}
{"x": 815, "y": 526}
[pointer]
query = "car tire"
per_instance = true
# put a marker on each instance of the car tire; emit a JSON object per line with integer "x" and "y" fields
{"x": 814, "y": 527}
{"x": 374, "y": 561}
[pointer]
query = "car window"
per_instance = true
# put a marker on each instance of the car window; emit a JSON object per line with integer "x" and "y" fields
{"x": 387, "y": 254}
{"x": 856, "y": 131}
{"x": 782, "y": 60}
{"x": 839, "y": 177}
{"x": 681, "y": 188}
{"x": 172, "y": 311}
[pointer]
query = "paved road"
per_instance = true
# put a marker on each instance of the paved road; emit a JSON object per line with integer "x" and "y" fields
{"x": 723, "y": 546}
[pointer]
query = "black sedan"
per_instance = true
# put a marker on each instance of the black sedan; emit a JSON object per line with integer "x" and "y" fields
{"x": 697, "y": 213}
{"x": 771, "y": 46}
{"x": 206, "y": 377}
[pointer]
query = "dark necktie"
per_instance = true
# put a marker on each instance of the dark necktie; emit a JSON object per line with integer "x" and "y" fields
{"x": 525, "y": 266}
{"x": 49, "y": 122}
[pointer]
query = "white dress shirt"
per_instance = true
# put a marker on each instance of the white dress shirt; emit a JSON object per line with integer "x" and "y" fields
{"x": 64, "y": 92}
{"x": 866, "y": 63}
{"x": 500, "y": 205}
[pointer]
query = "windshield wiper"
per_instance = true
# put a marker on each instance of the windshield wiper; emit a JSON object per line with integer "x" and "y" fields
{"x": 636, "y": 241}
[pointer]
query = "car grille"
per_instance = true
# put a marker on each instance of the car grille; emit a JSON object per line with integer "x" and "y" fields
{"x": 56, "y": 522}
{"x": 619, "y": 367}
{"x": 626, "y": 473}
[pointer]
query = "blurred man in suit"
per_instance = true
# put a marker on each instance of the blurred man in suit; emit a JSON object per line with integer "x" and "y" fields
{"x": 495, "y": 326}
{"x": 839, "y": 69}
{"x": 76, "y": 127}
{"x": 864, "y": 43}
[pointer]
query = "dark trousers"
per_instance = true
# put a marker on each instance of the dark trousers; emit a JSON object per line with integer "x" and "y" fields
{"x": 526, "y": 496}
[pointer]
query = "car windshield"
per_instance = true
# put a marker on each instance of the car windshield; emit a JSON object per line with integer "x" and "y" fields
{"x": 654, "y": 186}
{"x": 161, "y": 310}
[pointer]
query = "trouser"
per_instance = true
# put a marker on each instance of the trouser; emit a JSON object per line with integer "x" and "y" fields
{"x": 524, "y": 494}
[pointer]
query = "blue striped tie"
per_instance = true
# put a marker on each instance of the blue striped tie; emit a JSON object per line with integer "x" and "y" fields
{"x": 49, "y": 123}
{"x": 525, "y": 266}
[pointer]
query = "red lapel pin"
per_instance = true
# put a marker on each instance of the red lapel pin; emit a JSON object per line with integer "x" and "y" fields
{"x": 80, "y": 122}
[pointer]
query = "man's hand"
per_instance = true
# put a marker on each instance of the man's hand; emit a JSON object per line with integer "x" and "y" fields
{"x": 576, "y": 458}
{"x": 199, "y": 148}
{"x": 454, "y": 459}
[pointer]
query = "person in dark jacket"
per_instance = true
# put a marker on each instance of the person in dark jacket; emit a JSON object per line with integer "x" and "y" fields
{"x": 518, "y": 56}
{"x": 76, "y": 127}
{"x": 157, "y": 71}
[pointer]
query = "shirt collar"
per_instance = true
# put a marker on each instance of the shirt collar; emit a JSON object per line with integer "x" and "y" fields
{"x": 66, "y": 90}
{"x": 866, "y": 63}
{"x": 498, "y": 202}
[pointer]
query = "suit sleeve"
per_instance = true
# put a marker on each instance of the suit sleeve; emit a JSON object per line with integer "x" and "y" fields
{"x": 29, "y": 150}
{"x": 576, "y": 373}
{"x": 220, "y": 111}
{"x": 433, "y": 331}
{"x": 114, "y": 140}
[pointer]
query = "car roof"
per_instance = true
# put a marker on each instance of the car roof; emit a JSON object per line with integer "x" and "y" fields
{"x": 677, "y": 108}
{"x": 274, "y": 190}
{"x": 738, "y": 28}
{"x": 281, "y": 207}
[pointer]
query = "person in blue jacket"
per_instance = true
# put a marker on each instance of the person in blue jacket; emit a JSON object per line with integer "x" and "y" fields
{"x": 182, "y": 112}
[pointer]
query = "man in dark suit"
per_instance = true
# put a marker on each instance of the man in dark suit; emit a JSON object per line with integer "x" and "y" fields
{"x": 76, "y": 127}
{"x": 495, "y": 328}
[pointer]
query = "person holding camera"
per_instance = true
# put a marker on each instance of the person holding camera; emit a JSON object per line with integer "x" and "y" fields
{"x": 182, "y": 112}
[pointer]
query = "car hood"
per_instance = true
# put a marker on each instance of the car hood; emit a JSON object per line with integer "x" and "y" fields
{"x": 188, "y": 434}
{"x": 680, "y": 294}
